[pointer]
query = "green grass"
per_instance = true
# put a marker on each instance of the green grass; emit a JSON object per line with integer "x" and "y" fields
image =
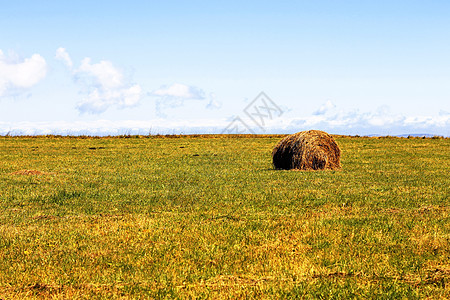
{"x": 208, "y": 217}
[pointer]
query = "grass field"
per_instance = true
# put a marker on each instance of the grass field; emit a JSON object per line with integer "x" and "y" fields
{"x": 208, "y": 217}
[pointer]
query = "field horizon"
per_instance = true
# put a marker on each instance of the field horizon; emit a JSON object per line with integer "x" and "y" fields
{"x": 223, "y": 135}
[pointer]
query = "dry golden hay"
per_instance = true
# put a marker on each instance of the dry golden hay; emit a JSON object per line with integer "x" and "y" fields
{"x": 31, "y": 172}
{"x": 307, "y": 150}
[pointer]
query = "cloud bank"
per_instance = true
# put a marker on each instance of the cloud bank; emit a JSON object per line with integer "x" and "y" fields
{"x": 379, "y": 122}
{"x": 102, "y": 85}
{"x": 17, "y": 75}
{"x": 334, "y": 121}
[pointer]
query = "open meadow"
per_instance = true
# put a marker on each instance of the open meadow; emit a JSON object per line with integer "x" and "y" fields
{"x": 208, "y": 217}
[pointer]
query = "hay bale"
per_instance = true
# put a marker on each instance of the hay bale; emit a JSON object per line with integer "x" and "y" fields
{"x": 307, "y": 150}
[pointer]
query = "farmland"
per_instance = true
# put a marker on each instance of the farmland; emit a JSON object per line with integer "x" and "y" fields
{"x": 209, "y": 217}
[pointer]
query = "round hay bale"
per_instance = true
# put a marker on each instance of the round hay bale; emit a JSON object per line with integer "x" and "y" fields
{"x": 307, "y": 150}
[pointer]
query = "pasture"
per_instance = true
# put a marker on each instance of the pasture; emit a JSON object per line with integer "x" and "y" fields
{"x": 208, "y": 217}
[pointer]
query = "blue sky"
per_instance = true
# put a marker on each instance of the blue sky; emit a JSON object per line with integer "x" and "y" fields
{"x": 115, "y": 67}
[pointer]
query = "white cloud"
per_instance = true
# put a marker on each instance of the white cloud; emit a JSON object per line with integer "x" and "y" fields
{"x": 213, "y": 103}
{"x": 326, "y": 107}
{"x": 61, "y": 54}
{"x": 443, "y": 113}
{"x": 99, "y": 100}
{"x": 180, "y": 91}
{"x": 17, "y": 75}
{"x": 174, "y": 96}
{"x": 103, "y": 73}
{"x": 102, "y": 85}
{"x": 177, "y": 94}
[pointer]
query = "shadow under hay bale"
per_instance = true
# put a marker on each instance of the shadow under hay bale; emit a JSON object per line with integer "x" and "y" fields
{"x": 307, "y": 150}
